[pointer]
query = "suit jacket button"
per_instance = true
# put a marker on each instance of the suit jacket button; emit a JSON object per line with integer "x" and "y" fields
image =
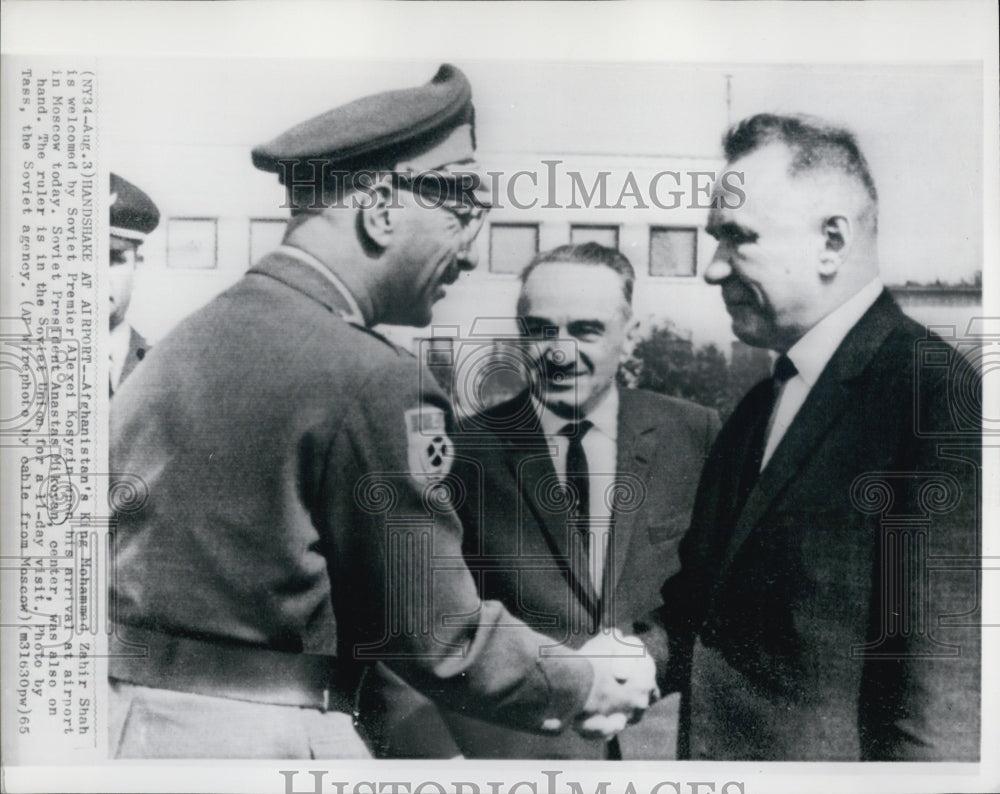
{"x": 552, "y": 724}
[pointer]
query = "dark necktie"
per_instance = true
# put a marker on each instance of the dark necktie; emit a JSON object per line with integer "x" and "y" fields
{"x": 784, "y": 370}
{"x": 578, "y": 478}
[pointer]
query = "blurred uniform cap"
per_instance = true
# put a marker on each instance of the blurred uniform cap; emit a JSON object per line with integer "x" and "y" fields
{"x": 133, "y": 213}
{"x": 408, "y": 131}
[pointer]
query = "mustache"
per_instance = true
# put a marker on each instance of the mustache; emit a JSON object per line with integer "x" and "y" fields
{"x": 738, "y": 292}
{"x": 450, "y": 274}
{"x": 556, "y": 372}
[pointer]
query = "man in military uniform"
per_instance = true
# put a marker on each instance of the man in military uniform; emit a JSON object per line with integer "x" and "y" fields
{"x": 289, "y": 516}
{"x": 133, "y": 216}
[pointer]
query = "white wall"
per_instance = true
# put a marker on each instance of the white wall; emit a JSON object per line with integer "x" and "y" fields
{"x": 183, "y": 130}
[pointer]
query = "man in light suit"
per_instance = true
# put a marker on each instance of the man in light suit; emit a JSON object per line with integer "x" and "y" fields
{"x": 576, "y": 496}
{"x": 133, "y": 217}
{"x": 827, "y": 605}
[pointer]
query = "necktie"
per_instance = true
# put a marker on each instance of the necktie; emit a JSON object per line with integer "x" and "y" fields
{"x": 578, "y": 522}
{"x": 578, "y": 478}
{"x": 784, "y": 370}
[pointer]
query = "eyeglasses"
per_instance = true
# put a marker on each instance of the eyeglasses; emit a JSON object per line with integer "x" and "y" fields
{"x": 439, "y": 190}
{"x": 470, "y": 220}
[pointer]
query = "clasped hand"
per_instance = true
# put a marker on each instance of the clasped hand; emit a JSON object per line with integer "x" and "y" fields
{"x": 624, "y": 684}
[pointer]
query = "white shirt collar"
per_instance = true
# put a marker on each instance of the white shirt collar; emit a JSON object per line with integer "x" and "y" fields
{"x": 355, "y": 314}
{"x": 118, "y": 344}
{"x": 604, "y": 416}
{"x": 813, "y": 351}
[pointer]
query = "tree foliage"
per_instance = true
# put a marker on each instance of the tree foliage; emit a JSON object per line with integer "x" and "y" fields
{"x": 667, "y": 362}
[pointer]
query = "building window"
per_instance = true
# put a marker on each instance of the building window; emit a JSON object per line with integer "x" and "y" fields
{"x": 512, "y": 245}
{"x": 192, "y": 243}
{"x": 673, "y": 251}
{"x": 585, "y": 233}
{"x": 265, "y": 235}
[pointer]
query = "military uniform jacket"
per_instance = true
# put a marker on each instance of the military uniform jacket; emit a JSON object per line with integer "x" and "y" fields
{"x": 517, "y": 544}
{"x": 834, "y": 615}
{"x": 272, "y": 447}
{"x": 137, "y": 349}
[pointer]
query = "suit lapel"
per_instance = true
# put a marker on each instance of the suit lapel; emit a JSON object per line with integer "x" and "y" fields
{"x": 636, "y": 445}
{"x": 827, "y": 401}
{"x": 527, "y": 455}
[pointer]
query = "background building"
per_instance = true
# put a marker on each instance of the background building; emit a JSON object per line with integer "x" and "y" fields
{"x": 623, "y": 154}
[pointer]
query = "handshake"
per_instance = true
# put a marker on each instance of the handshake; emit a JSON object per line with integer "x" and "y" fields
{"x": 624, "y": 685}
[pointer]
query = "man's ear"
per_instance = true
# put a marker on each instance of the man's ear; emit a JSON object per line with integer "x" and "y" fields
{"x": 632, "y": 329}
{"x": 837, "y": 237}
{"x": 631, "y": 337}
{"x": 376, "y": 217}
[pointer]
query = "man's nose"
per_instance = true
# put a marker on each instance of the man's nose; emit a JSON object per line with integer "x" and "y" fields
{"x": 468, "y": 256}
{"x": 718, "y": 269}
{"x": 558, "y": 350}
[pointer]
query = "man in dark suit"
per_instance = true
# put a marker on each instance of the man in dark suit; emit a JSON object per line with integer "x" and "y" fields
{"x": 133, "y": 217}
{"x": 575, "y": 497}
{"x": 827, "y": 605}
{"x": 282, "y": 519}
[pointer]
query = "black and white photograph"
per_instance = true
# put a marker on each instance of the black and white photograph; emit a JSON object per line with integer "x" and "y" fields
{"x": 535, "y": 396}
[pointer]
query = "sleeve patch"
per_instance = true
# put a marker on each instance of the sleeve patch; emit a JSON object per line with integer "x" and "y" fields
{"x": 430, "y": 452}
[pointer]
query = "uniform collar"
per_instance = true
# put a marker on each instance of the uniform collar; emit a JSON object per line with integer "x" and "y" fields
{"x": 354, "y": 314}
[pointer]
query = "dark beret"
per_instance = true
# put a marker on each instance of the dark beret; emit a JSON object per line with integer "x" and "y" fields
{"x": 133, "y": 213}
{"x": 383, "y": 128}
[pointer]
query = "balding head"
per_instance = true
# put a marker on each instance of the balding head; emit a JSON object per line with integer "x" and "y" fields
{"x": 820, "y": 152}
